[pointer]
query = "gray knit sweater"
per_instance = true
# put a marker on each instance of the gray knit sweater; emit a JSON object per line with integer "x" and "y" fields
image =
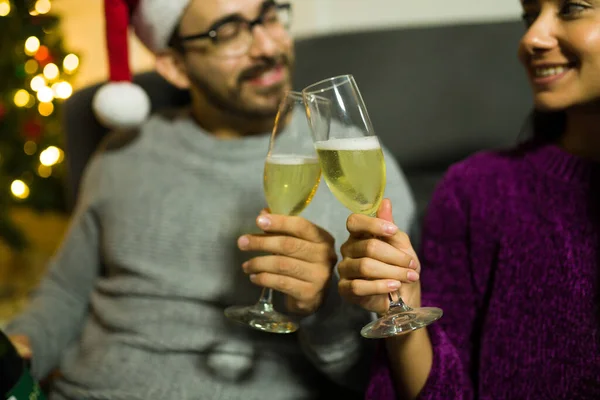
{"x": 132, "y": 306}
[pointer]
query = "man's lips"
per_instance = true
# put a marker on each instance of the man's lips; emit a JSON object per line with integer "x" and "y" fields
{"x": 268, "y": 77}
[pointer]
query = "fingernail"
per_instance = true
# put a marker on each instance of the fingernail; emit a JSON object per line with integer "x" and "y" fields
{"x": 412, "y": 264}
{"x": 253, "y": 277}
{"x": 412, "y": 276}
{"x": 390, "y": 229}
{"x": 263, "y": 222}
{"x": 245, "y": 265}
{"x": 243, "y": 242}
{"x": 393, "y": 285}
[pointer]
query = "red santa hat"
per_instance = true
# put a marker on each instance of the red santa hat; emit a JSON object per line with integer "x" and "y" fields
{"x": 121, "y": 103}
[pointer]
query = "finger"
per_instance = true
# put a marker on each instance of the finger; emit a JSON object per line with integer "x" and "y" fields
{"x": 359, "y": 225}
{"x": 297, "y": 289}
{"x": 293, "y": 226}
{"x": 379, "y": 250}
{"x": 286, "y": 266}
{"x": 362, "y": 288}
{"x": 288, "y": 246}
{"x": 385, "y": 211}
{"x": 370, "y": 269}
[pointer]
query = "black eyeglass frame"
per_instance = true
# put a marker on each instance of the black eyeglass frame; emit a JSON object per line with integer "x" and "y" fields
{"x": 212, "y": 33}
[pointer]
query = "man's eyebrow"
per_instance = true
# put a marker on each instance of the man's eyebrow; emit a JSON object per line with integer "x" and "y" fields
{"x": 237, "y": 16}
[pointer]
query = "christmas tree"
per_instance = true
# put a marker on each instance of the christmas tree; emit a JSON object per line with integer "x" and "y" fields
{"x": 35, "y": 71}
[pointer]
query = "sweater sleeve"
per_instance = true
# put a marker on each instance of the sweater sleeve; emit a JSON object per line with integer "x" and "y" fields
{"x": 58, "y": 306}
{"x": 448, "y": 255}
{"x": 331, "y": 337}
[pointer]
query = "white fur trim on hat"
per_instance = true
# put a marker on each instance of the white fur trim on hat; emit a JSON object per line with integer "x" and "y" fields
{"x": 155, "y": 21}
{"x": 121, "y": 105}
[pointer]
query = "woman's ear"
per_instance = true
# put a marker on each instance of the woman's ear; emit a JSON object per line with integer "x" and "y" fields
{"x": 170, "y": 65}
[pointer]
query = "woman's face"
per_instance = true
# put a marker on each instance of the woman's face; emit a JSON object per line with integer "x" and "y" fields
{"x": 561, "y": 52}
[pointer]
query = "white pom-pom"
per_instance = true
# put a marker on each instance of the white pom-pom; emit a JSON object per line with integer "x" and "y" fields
{"x": 121, "y": 105}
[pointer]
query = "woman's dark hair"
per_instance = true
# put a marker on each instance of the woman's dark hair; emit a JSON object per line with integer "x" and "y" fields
{"x": 547, "y": 126}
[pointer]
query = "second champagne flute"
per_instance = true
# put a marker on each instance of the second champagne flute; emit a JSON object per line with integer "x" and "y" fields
{"x": 291, "y": 178}
{"x": 354, "y": 170}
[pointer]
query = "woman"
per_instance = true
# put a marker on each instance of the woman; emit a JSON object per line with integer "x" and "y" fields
{"x": 510, "y": 246}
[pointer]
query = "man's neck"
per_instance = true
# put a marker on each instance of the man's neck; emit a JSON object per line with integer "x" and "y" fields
{"x": 582, "y": 134}
{"x": 228, "y": 125}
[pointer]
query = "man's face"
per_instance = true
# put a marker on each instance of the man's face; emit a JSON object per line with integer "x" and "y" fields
{"x": 244, "y": 72}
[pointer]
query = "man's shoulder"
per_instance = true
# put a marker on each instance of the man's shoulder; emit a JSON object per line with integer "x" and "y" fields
{"x": 128, "y": 138}
{"x": 119, "y": 140}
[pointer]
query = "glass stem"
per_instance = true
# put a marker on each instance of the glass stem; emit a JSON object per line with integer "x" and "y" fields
{"x": 397, "y": 302}
{"x": 266, "y": 297}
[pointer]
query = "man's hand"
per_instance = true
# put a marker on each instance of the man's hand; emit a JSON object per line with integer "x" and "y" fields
{"x": 21, "y": 343}
{"x": 301, "y": 263}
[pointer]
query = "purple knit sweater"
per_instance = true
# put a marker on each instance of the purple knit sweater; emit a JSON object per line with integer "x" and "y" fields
{"x": 510, "y": 252}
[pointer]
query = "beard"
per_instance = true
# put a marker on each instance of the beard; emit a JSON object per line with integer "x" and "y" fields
{"x": 236, "y": 100}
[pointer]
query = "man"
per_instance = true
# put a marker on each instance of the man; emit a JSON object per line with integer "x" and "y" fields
{"x": 132, "y": 307}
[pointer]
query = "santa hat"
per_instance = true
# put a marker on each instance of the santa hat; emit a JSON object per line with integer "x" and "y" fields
{"x": 121, "y": 103}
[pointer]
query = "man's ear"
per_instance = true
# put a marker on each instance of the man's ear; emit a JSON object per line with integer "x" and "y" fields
{"x": 170, "y": 66}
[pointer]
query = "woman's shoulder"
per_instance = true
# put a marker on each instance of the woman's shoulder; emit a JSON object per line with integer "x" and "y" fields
{"x": 486, "y": 175}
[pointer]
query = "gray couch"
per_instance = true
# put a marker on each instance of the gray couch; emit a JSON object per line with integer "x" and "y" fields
{"x": 434, "y": 94}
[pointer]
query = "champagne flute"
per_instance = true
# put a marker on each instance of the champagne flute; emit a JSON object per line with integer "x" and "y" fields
{"x": 291, "y": 178}
{"x": 354, "y": 169}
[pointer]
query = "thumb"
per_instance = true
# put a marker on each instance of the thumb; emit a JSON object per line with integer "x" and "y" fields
{"x": 385, "y": 211}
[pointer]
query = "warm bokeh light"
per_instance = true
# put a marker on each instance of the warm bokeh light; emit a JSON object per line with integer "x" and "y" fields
{"x": 32, "y": 45}
{"x": 19, "y": 189}
{"x": 62, "y": 90}
{"x": 51, "y": 71}
{"x": 45, "y": 109}
{"x": 37, "y": 82}
{"x": 22, "y": 98}
{"x": 42, "y": 54}
{"x": 30, "y": 148}
{"x": 51, "y": 156}
{"x": 44, "y": 171}
{"x": 31, "y": 67}
{"x": 43, "y": 6}
{"x": 71, "y": 63}
{"x": 4, "y": 8}
{"x": 45, "y": 95}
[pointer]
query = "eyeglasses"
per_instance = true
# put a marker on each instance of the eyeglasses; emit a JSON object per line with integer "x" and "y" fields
{"x": 232, "y": 36}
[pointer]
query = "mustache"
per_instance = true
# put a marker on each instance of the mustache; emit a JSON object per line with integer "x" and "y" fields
{"x": 264, "y": 64}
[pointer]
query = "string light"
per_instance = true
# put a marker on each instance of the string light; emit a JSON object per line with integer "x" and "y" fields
{"x": 31, "y": 67}
{"x": 22, "y": 98}
{"x": 51, "y": 71}
{"x": 32, "y": 45}
{"x": 4, "y": 8}
{"x": 45, "y": 109}
{"x": 62, "y": 90}
{"x": 70, "y": 63}
{"x": 51, "y": 156}
{"x": 43, "y": 6}
{"x": 19, "y": 189}
{"x": 45, "y": 95}
{"x": 38, "y": 82}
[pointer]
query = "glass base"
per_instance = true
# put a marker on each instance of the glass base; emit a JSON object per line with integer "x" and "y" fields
{"x": 263, "y": 317}
{"x": 400, "y": 321}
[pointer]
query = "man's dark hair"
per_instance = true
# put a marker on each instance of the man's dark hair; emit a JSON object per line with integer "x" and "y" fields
{"x": 175, "y": 41}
